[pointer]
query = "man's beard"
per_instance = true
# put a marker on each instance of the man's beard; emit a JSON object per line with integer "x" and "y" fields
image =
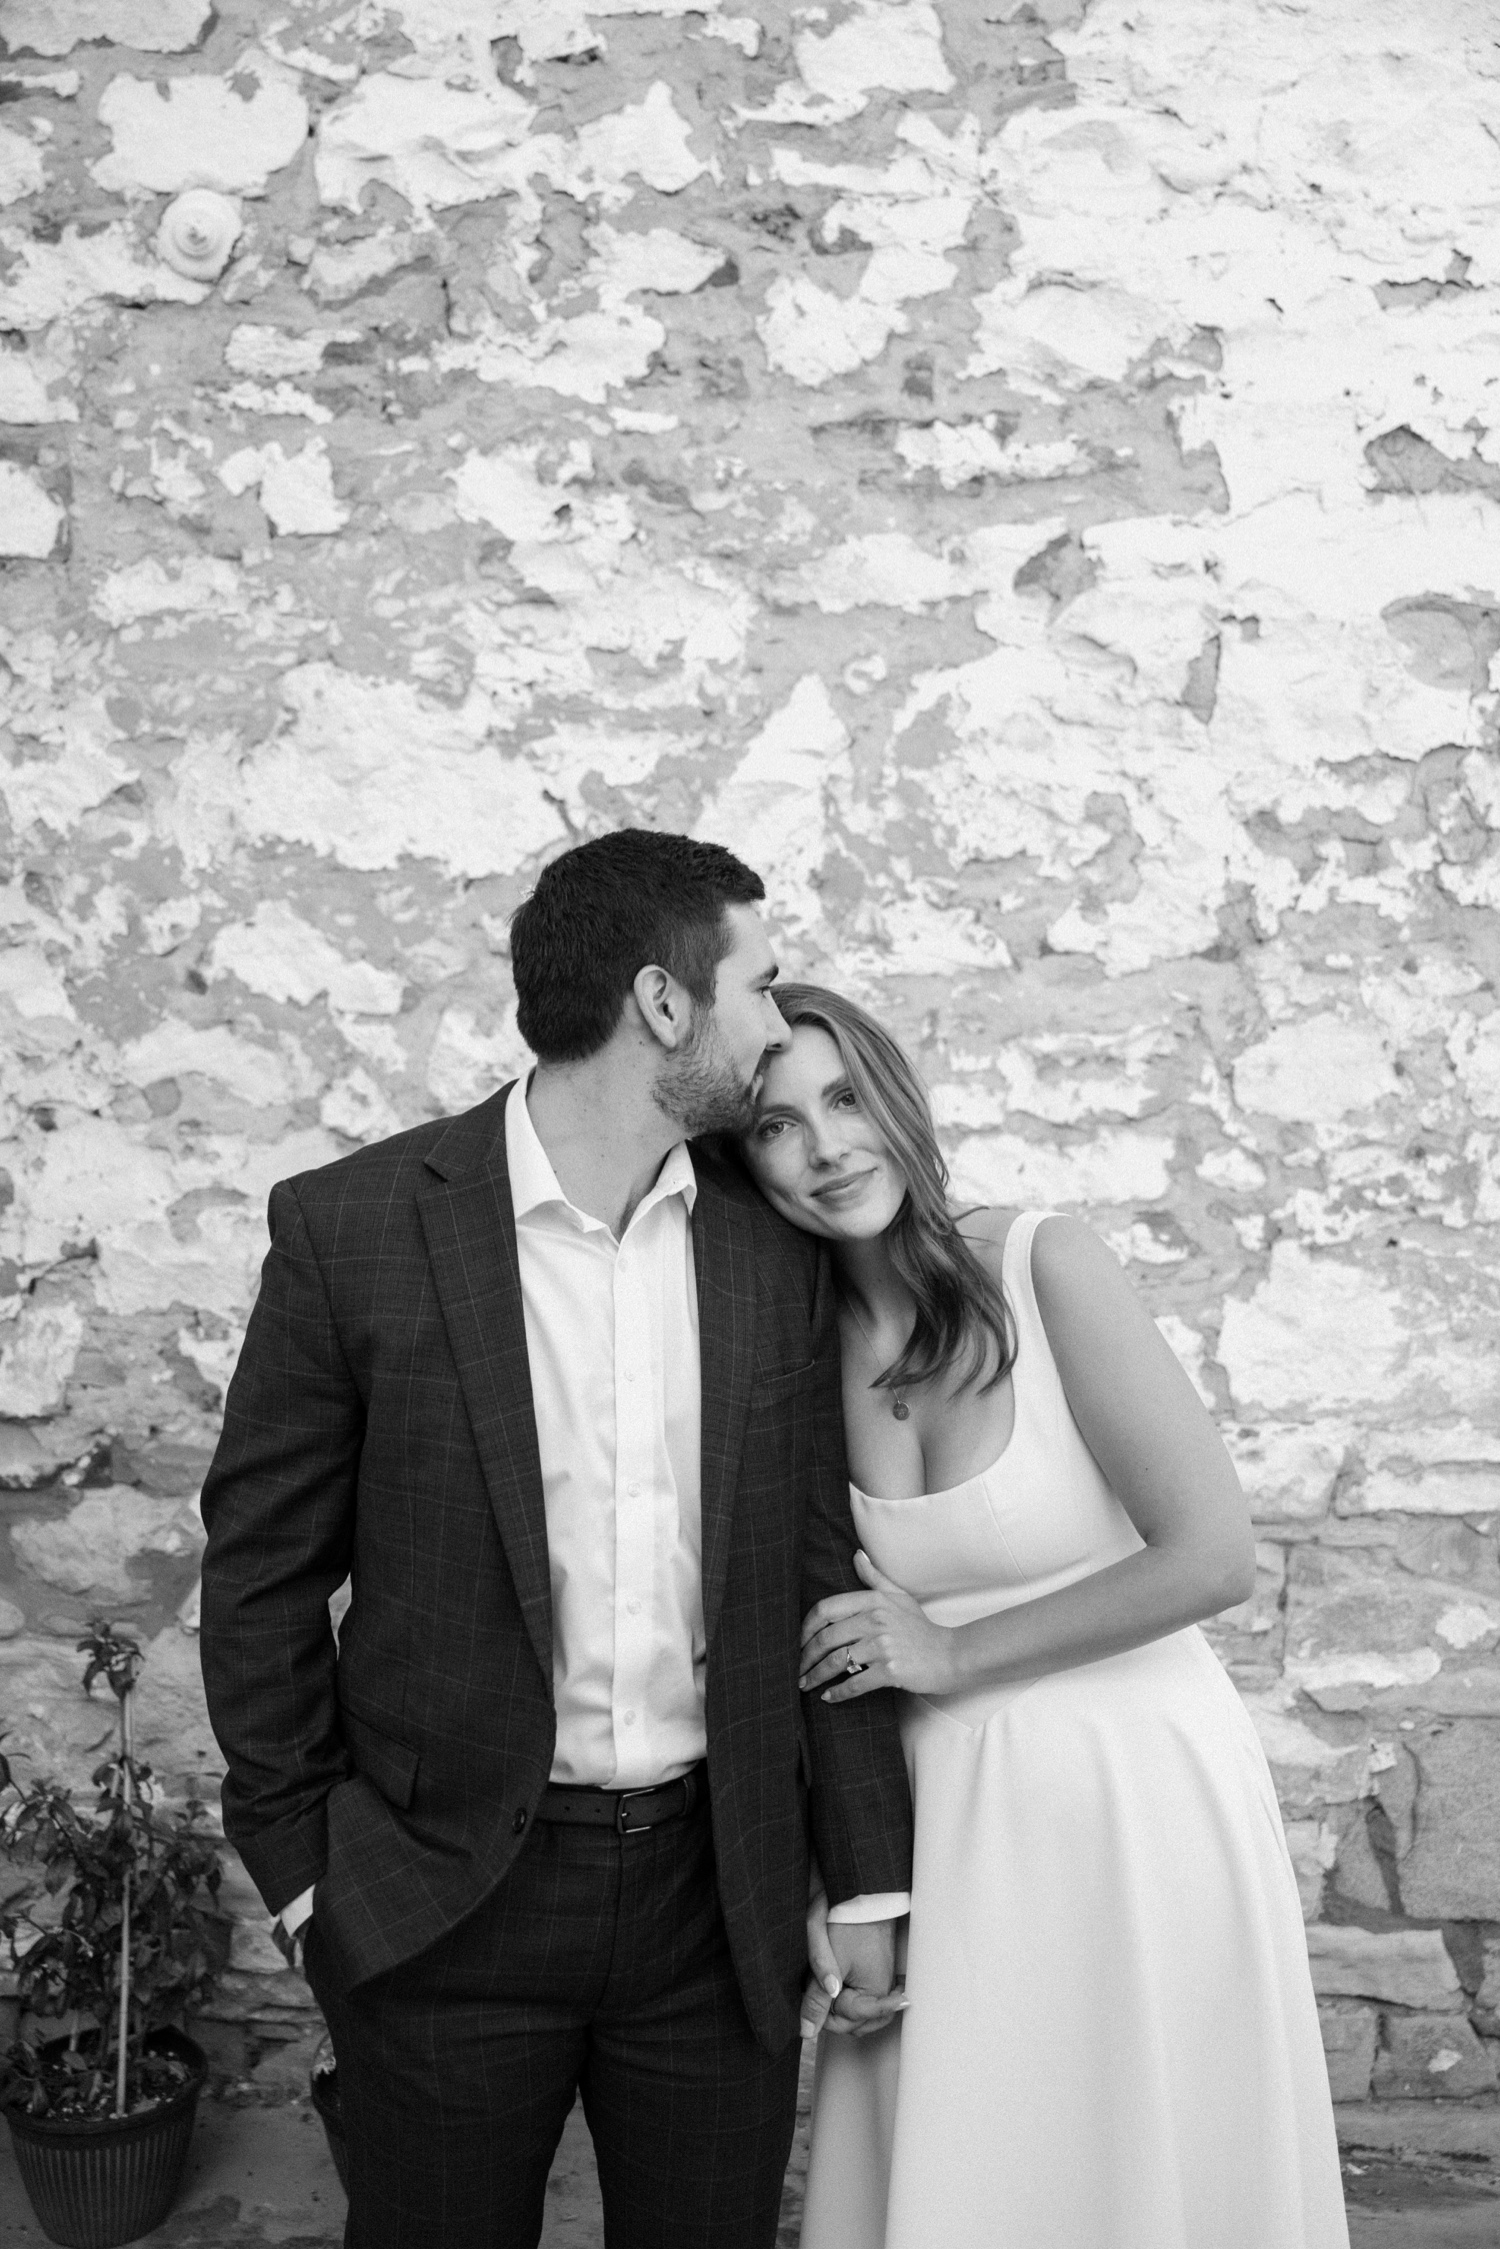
{"x": 699, "y": 1091}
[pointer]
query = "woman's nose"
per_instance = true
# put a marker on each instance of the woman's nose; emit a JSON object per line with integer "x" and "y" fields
{"x": 823, "y": 1144}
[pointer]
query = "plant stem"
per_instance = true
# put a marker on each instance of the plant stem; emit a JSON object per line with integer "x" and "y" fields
{"x": 127, "y": 1776}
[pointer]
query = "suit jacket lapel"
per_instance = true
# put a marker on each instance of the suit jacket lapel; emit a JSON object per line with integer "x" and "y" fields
{"x": 724, "y": 1257}
{"x": 470, "y": 1229}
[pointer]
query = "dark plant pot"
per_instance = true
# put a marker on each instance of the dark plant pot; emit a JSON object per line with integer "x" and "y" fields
{"x": 325, "y": 2099}
{"x": 98, "y": 2182}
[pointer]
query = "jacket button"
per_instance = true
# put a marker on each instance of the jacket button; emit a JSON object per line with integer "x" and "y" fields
{"x": 518, "y": 1824}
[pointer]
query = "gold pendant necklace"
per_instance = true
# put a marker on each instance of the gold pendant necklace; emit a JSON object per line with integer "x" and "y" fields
{"x": 899, "y": 1406}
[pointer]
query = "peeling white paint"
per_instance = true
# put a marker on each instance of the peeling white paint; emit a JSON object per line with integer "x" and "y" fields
{"x": 38, "y": 1352}
{"x": 201, "y": 584}
{"x": 1315, "y": 1071}
{"x": 1315, "y": 1333}
{"x": 197, "y": 131}
{"x": 296, "y": 490}
{"x": 778, "y": 792}
{"x": 283, "y": 956}
{"x": 48, "y": 280}
{"x": 22, "y": 171}
{"x": 1042, "y": 511}
{"x": 56, "y": 27}
{"x": 30, "y": 519}
{"x": 812, "y": 335}
{"x": 26, "y": 395}
{"x": 1116, "y": 1167}
{"x": 369, "y": 772}
{"x": 899, "y": 47}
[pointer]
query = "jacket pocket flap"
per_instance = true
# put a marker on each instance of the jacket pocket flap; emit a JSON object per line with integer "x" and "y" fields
{"x": 390, "y": 1764}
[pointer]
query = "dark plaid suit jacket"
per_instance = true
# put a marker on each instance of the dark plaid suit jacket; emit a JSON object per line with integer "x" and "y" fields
{"x": 380, "y": 1423}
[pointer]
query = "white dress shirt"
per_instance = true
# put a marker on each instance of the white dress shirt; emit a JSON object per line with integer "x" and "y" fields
{"x": 612, "y": 1340}
{"x": 612, "y": 1337}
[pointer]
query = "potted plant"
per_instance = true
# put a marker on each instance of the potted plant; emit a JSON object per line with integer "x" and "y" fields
{"x": 101, "y": 2092}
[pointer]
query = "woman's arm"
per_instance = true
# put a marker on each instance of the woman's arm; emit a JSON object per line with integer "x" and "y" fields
{"x": 1147, "y": 1428}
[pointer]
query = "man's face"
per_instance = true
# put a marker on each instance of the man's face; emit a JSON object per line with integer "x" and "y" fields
{"x": 710, "y": 1083}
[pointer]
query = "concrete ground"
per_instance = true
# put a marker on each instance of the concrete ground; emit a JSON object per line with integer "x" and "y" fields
{"x": 261, "y": 2178}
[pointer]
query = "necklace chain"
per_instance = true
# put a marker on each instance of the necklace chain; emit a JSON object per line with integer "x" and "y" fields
{"x": 899, "y": 1406}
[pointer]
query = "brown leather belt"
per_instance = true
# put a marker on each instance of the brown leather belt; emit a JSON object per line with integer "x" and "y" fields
{"x": 629, "y": 1811}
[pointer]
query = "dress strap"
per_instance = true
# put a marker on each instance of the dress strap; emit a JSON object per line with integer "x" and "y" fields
{"x": 1033, "y": 1351}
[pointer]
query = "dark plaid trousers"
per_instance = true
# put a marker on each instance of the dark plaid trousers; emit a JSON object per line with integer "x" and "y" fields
{"x": 600, "y": 1962}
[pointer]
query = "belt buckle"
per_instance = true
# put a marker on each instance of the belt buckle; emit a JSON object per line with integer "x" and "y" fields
{"x": 622, "y": 1812}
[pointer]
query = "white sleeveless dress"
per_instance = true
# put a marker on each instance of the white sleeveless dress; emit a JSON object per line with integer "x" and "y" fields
{"x": 1111, "y": 2040}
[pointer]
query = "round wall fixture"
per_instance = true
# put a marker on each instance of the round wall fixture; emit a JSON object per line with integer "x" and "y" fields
{"x": 197, "y": 232}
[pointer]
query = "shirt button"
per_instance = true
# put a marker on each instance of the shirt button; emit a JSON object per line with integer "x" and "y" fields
{"x": 518, "y": 1824}
{"x": 630, "y": 1717}
{"x": 633, "y": 1491}
{"x": 632, "y": 1608}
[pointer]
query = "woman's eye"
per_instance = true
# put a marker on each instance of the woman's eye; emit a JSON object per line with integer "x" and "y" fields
{"x": 845, "y": 1100}
{"x": 765, "y": 1131}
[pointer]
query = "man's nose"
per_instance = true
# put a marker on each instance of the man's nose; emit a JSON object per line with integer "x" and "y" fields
{"x": 778, "y": 1031}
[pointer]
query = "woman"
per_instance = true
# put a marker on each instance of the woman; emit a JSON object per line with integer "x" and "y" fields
{"x": 1109, "y": 2039}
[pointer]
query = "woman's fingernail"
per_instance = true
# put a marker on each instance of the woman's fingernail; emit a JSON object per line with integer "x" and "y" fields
{"x": 832, "y": 1986}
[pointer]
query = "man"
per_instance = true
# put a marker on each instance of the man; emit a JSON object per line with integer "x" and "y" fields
{"x": 563, "y": 1399}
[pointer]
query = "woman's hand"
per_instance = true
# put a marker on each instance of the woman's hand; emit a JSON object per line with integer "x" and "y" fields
{"x": 883, "y": 1630}
{"x": 825, "y": 1981}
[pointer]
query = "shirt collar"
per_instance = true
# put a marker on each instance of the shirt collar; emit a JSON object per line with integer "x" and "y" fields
{"x": 534, "y": 1185}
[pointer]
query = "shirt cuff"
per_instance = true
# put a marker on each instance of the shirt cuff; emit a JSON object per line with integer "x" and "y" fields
{"x": 292, "y": 1916}
{"x": 872, "y": 1905}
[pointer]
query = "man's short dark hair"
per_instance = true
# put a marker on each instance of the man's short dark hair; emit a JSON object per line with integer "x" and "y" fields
{"x": 604, "y": 911}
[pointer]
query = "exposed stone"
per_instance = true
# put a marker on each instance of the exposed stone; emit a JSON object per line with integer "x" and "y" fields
{"x": 91, "y": 1548}
{"x": 1431, "y": 2057}
{"x": 1252, "y": 1633}
{"x": 285, "y": 2067}
{"x": 1288, "y": 1471}
{"x": 1365, "y": 1871}
{"x": 1487, "y": 1998}
{"x": 172, "y": 1726}
{"x": 1422, "y": 2128}
{"x": 1451, "y": 1868}
{"x": 1349, "y": 2041}
{"x": 1410, "y": 1967}
{"x": 1309, "y": 1771}
{"x": 1313, "y": 1845}
{"x": 1350, "y": 1631}
{"x": 899, "y": 446}
{"x": 37, "y": 1355}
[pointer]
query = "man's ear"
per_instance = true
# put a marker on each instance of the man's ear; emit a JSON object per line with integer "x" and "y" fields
{"x": 664, "y": 1006}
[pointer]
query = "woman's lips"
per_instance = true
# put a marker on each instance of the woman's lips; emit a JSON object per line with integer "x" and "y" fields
{"x": 841, "y": 1187}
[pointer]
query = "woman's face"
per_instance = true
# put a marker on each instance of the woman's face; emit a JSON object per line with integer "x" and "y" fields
{"x": 815, "y": 1155}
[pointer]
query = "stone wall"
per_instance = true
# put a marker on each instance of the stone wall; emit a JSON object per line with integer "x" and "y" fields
{"x": 1025, "y": 474}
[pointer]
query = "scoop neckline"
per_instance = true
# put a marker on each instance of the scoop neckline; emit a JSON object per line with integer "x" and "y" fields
{"x": 946, "y": 1491}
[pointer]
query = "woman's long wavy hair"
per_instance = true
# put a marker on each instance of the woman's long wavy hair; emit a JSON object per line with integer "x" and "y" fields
{"x": 961, "y": 1310}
